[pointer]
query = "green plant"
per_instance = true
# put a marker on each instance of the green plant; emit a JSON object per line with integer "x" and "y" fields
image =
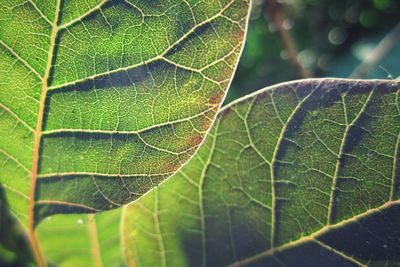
{"x": 304, "y": 173}
{"x": 103, "y": 101}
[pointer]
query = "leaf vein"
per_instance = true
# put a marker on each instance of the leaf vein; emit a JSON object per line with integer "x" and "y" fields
{"x": 81, "y": 17}
{"x": 21, "y": 59}
{"x": 396, "y": 162}
{"x": 339, "y": 253}
{"x": 146, "y": 62}
{"x": 40, "y": 12}
{"x": 201, "y": 200}
{"x": 15, "y": 160}
{"x": 61, "y": 174}
{"x": 60, "y": 131}
{"x": 13, "y": 190}
{"x": 315, "y": 235}
{"x": 341, "y": 153}
{"x": 64, "y": 203}
{"x": 274, "y": 160}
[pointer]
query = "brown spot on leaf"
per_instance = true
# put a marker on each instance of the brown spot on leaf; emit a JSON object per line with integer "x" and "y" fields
{"x": 216, "y": 98}
{"x": 172, "y": 165}
{"x": 196, "y": 140}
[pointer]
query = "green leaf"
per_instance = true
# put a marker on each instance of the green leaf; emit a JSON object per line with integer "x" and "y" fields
{"x": 304, "y": 173}
{"x": 14, "y": 247}
{"x": 82, "y": 240}
{"x": 66, "y": 240}
{"x": 103, "y": 100}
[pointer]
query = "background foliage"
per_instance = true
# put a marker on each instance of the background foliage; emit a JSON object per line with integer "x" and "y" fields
{"x": 332, "y": 38}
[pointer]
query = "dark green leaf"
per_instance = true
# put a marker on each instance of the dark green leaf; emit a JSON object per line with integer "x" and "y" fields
{"x": 304, "y": 173}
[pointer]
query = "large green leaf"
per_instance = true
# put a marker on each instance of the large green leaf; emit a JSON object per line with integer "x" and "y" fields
{"x": 304, "y": 173}
{"x": 103, "y": 100}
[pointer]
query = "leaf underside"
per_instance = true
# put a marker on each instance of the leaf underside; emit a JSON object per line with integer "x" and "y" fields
{"x": 101, "y": 100}
{"x": 70, "y": 240}
{"x": 304, "y": 173}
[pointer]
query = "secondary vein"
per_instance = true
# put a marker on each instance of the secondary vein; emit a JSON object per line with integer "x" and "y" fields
{"x": 274, "y": 160}
{"x": 340, "y": 155}
{"x": 151, "y": 60}
{"x": 396, "y": 162}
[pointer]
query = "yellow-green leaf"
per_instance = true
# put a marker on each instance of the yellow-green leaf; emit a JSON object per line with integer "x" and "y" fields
{"x": 304, "y": 173}
{"x": 102, "y": 100}
{"x": 71, "y": 240}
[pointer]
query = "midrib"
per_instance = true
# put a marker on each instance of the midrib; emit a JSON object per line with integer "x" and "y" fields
{"x": 38, "y": 133}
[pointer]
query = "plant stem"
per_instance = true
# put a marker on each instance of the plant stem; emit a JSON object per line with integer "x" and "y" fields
{"x": 274, "y": 11}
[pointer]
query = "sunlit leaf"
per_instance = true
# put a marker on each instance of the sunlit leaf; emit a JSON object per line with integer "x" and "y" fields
{"x": 82, "y": 240}
{"x": 304, "y": 173}
{"x": 103, "y": 100}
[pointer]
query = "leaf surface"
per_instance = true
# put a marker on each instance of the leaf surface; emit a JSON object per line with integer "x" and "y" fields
{"x": 66, "y": 240}
{"x": 102, "y": 100}
{"x": 304, "y": 173}
{"x": 14, "y": 247}
{"x": 82, "y": 240}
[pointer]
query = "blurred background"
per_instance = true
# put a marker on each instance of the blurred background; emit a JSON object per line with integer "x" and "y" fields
{"x": 293, "y": 39}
